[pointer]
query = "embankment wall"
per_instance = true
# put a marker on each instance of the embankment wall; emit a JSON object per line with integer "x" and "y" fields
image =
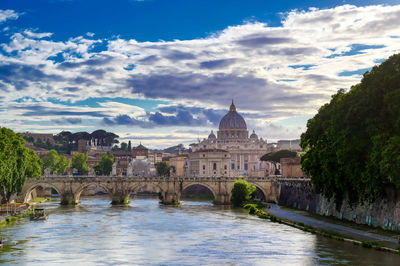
{"x": 384, "y": 212}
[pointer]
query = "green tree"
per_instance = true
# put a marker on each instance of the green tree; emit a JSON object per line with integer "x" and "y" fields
{"x": 124, "y": 146}
{"x": 352, "y": 144}
{"x": 163, "y": 169}
{"x": 276, "y": 156}
{"x": 79, "y": 163}
{"x": 63, "y": 164}
{"x": 17, "y": 162}
{"x": 105, "y": 166}
{"x": 58, "y": 164}
{"x": 241, "y": 192}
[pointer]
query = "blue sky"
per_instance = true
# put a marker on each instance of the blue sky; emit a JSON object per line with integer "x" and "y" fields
{"x": 164, "y": 71}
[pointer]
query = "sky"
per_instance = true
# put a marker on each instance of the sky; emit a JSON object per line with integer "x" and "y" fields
{"x": 164, "y": 72}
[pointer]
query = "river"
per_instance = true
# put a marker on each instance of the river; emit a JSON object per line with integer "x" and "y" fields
{"x": 146, "y": 232}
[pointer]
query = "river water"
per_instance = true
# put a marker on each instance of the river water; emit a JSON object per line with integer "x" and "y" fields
{"x": 145, "y": 232}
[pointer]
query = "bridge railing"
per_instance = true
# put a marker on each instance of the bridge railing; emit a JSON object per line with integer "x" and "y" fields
{"x": 164, "y": 178}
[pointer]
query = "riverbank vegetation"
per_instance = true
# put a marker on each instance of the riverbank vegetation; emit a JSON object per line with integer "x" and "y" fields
{"x": 39, "y": 200}
{"x": 352, "y": 144}
{"x": 17, "y": 162}
{"x": 241, "y": 193}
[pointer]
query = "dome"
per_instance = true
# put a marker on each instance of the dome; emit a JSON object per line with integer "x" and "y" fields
{"x": 253, "y": 135}
{"x": 212, "y": 136}
{"x": 232, "y": 120}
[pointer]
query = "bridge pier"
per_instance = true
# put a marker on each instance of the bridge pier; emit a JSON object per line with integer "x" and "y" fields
{"x": 119, "y": 199}
{"x": 68, "y": 198}
{"x": 222, "y": 199}
{"x": 170, "y": 198}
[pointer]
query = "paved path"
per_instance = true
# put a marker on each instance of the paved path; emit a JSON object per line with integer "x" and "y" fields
{"x": 344, "y": 230}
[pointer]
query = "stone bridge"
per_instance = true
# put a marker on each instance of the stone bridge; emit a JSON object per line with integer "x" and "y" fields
{"x": 70, "y": 188}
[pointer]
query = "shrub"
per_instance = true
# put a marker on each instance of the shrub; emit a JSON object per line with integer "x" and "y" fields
{"x": 241, "y": 192}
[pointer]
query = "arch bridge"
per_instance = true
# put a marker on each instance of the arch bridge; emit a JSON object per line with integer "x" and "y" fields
{"x": 70, "y": 188}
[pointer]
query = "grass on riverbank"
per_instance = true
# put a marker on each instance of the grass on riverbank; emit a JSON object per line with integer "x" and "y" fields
{"x": 40, "y": 200}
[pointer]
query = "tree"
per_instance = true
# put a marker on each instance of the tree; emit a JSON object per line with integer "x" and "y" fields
{"x": 105, "y": 166}
{"x": 163, "y": 169}
{"x": 352, "y": 144}
{"x": 63, "y": 164}
{"x": 17, "y": 162}
{"x": 79, "y": 163}
{"x": 124, "y": 146}
{"x": 241, "y": 192}
{"x": 276, "y": 156}
{"x": 56, "y": 163}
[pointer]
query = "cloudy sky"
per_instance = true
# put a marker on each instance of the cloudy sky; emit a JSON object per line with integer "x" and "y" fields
{"x": 164, "y": 72}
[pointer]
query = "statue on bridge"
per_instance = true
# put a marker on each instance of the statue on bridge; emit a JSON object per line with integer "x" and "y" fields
{"x": 47, "y": 172}
{"x": 91, "y": 172}
{"x": 129, "y": 170}
{"x": 114, "y": 169}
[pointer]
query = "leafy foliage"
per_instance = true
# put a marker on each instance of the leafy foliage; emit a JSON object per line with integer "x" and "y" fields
{"x": 163, "y": 169}
{"x": 105, "y": 166}
{"x": 276, "y": 156}
{"x": 352, "y": 145}
{"x": 79, "y": 163}
{"x": 57, "y": 163}
{"x": 17, "y": 162}
{"x": 241, "y": 192}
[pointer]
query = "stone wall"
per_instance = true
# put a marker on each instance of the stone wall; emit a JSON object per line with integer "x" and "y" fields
{"x": 384, "y": 212}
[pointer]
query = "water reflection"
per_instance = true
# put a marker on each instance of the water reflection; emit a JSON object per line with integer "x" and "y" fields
{"x": 195, "y": 233}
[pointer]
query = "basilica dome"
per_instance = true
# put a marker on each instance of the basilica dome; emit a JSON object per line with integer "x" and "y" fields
{"x": 232, "y": 120}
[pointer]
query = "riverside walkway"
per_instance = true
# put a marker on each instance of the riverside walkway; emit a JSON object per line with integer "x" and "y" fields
{"x": 358, "y": 232}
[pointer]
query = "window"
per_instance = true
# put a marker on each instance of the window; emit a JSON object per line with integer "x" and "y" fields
{"x": 246, "y": 166}
{"x": 238, "y": 167}
{"x": 215, "y": 166}
{"x": 204, "y": 155}
{"x": 225, "y": 167}
{"x": 233, "y": 166}
{"x": 204, "y": 167}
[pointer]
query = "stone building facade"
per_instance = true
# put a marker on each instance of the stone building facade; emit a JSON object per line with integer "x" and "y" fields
{"x": 291, "y": 168}
{"x": 245, "y": 152}
{"x": 208, "y": 163}
{"x": 178, "y": 162}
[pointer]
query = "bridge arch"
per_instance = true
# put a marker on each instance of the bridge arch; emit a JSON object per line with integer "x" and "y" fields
{"x": 261, "y": 189}
{"x": 135, "y": 188}
{"x": 187, "y": 185}
{"x": 79, "y": 191}
{"x": 32, "y": 187}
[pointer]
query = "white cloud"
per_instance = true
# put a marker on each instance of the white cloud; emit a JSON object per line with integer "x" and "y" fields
{"x": 253, "y": 63}
{"x": 8, "y": 14}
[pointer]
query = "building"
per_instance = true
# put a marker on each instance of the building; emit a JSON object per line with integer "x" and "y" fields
{"x": 291, "y": 168}
{"x": 141, "y": 166}
{"x": 140, "y": 151}
{"x": 41, "y": 152}
{"x": 178, "y": 162}
{"x": 82, "y": 146}
{"x": 43, "y": 137}
{"x": 293, "y": 145}
{"x": 245, "y": 152}
{"x": 208, "y": 162}
{"x": 122, "y": 159}
{"x": 155, "y": 157}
